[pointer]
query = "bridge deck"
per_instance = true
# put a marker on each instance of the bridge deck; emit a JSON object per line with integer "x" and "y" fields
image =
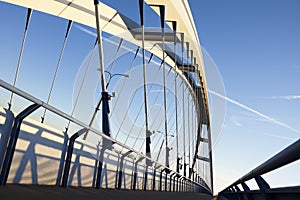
{"x": 32, "y": 192}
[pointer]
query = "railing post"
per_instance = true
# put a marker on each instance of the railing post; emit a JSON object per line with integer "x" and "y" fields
{"x": 13, "y": 141}
{"x": 121, "y": 169}
{"x": 263, "y": 186}
{"x": 238, "y": 192}
{"x": 246, "y": 191}
{"x": 177, "y": 176}
{"x": 145, "y": 178}
{"x": 160, "y": 180}
{"x": 135, "y": 172}
{"x": 172, "y": 177}
{"x": 134, "y": 180}
{"x": 174, "y": 183}
{"x": 153, "y": 181}
{"x": 186, "y": 185}
{"x": 69, "y": 155}
{"x": 166, "y": 181}
{"x": 182, "y": 185}
{"x": 100, "y": 164}
{"x": 170, "y": 183}
{"x": 62, "y": 158}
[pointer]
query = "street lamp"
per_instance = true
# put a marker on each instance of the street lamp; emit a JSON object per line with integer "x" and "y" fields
{"x": 112, "y": 75}
{"x": 154, "y": 131}
{"x": 100, "y": 100}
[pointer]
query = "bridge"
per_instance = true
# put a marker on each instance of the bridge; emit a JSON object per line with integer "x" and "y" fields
{"x": 97, "y": 103}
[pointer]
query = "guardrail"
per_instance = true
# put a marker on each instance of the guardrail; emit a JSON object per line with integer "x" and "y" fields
{"x": 185, "y": 183}
{"x": 286, "y": 156}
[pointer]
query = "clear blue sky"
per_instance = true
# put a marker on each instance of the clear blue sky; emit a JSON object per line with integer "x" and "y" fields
{"x": 255, "y": 45}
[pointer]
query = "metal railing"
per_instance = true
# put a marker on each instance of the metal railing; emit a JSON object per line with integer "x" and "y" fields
{"x": 186, "y": 181}
{"x": 286, "y": 156}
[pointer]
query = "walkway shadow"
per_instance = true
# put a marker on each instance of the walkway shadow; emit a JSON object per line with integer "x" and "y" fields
{"x": 44, "y": 150}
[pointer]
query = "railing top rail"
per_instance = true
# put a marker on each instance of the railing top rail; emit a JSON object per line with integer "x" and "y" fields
{"x": 286, "y": 156}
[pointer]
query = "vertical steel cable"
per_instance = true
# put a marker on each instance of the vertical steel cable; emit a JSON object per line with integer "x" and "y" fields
{"x": 141, "y": 6}
{"x": 147, "y": 134}
{"x": 191, "y": 112}
{"x": 100, "y": 46}
{"x": 156, "y": 117}
{"x": 176, "y": 106}
{"x": 183, "y": 115}
{"x": 58, "y": 65}
{"x": 174, "y": 24}
{"x": 123, "y": 85}
{"x": 189, "y": 131}
{"x": 162, "y": 15}
{"x": 29, "y": 14}
{"x": 130, "y": 103}
{"x": 82, "y": 82}
{"x": 115, "y": 57}
{"x": 193, "y": 130}
{"x": 188, "y": 103}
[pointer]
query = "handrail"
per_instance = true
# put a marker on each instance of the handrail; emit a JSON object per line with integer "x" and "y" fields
{"x": 82, "y": 124}
{"x": 286, "y": 156}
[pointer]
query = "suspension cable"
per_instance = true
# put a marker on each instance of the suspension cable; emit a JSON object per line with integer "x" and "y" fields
{"x": 149, "y": 90}
{"x": 131, "y": 101}
{"x": 156, "y": 116}
{"x": 161, "y": 122}
{"x": 141, "y": 4}
{"x": 82, "y": 82}
{"x": 58, "y": 66}
{"x": 124, "y": 83}
{"x": 116, "y": 54}
{"x": 183, "y": 116}
{"x": 162, "y": 15}
{"x": 176, "y": 103}
{"x": 188, "y": 102}
{"x": 29, "y": 14}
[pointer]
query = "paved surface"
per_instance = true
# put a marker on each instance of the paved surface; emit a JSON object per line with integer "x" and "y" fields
{"x": 34, "y": 192}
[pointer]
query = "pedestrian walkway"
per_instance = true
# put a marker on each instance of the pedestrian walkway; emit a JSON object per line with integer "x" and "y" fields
{"x": 36, "y": 192}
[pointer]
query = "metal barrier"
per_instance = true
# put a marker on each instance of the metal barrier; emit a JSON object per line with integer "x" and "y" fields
{"x": 286, "y": 156}
{"x": 38, "y": 103}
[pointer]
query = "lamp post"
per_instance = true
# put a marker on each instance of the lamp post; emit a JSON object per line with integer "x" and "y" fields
{"x": 154, "y": 131}
{"x": 100, "y": 100}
